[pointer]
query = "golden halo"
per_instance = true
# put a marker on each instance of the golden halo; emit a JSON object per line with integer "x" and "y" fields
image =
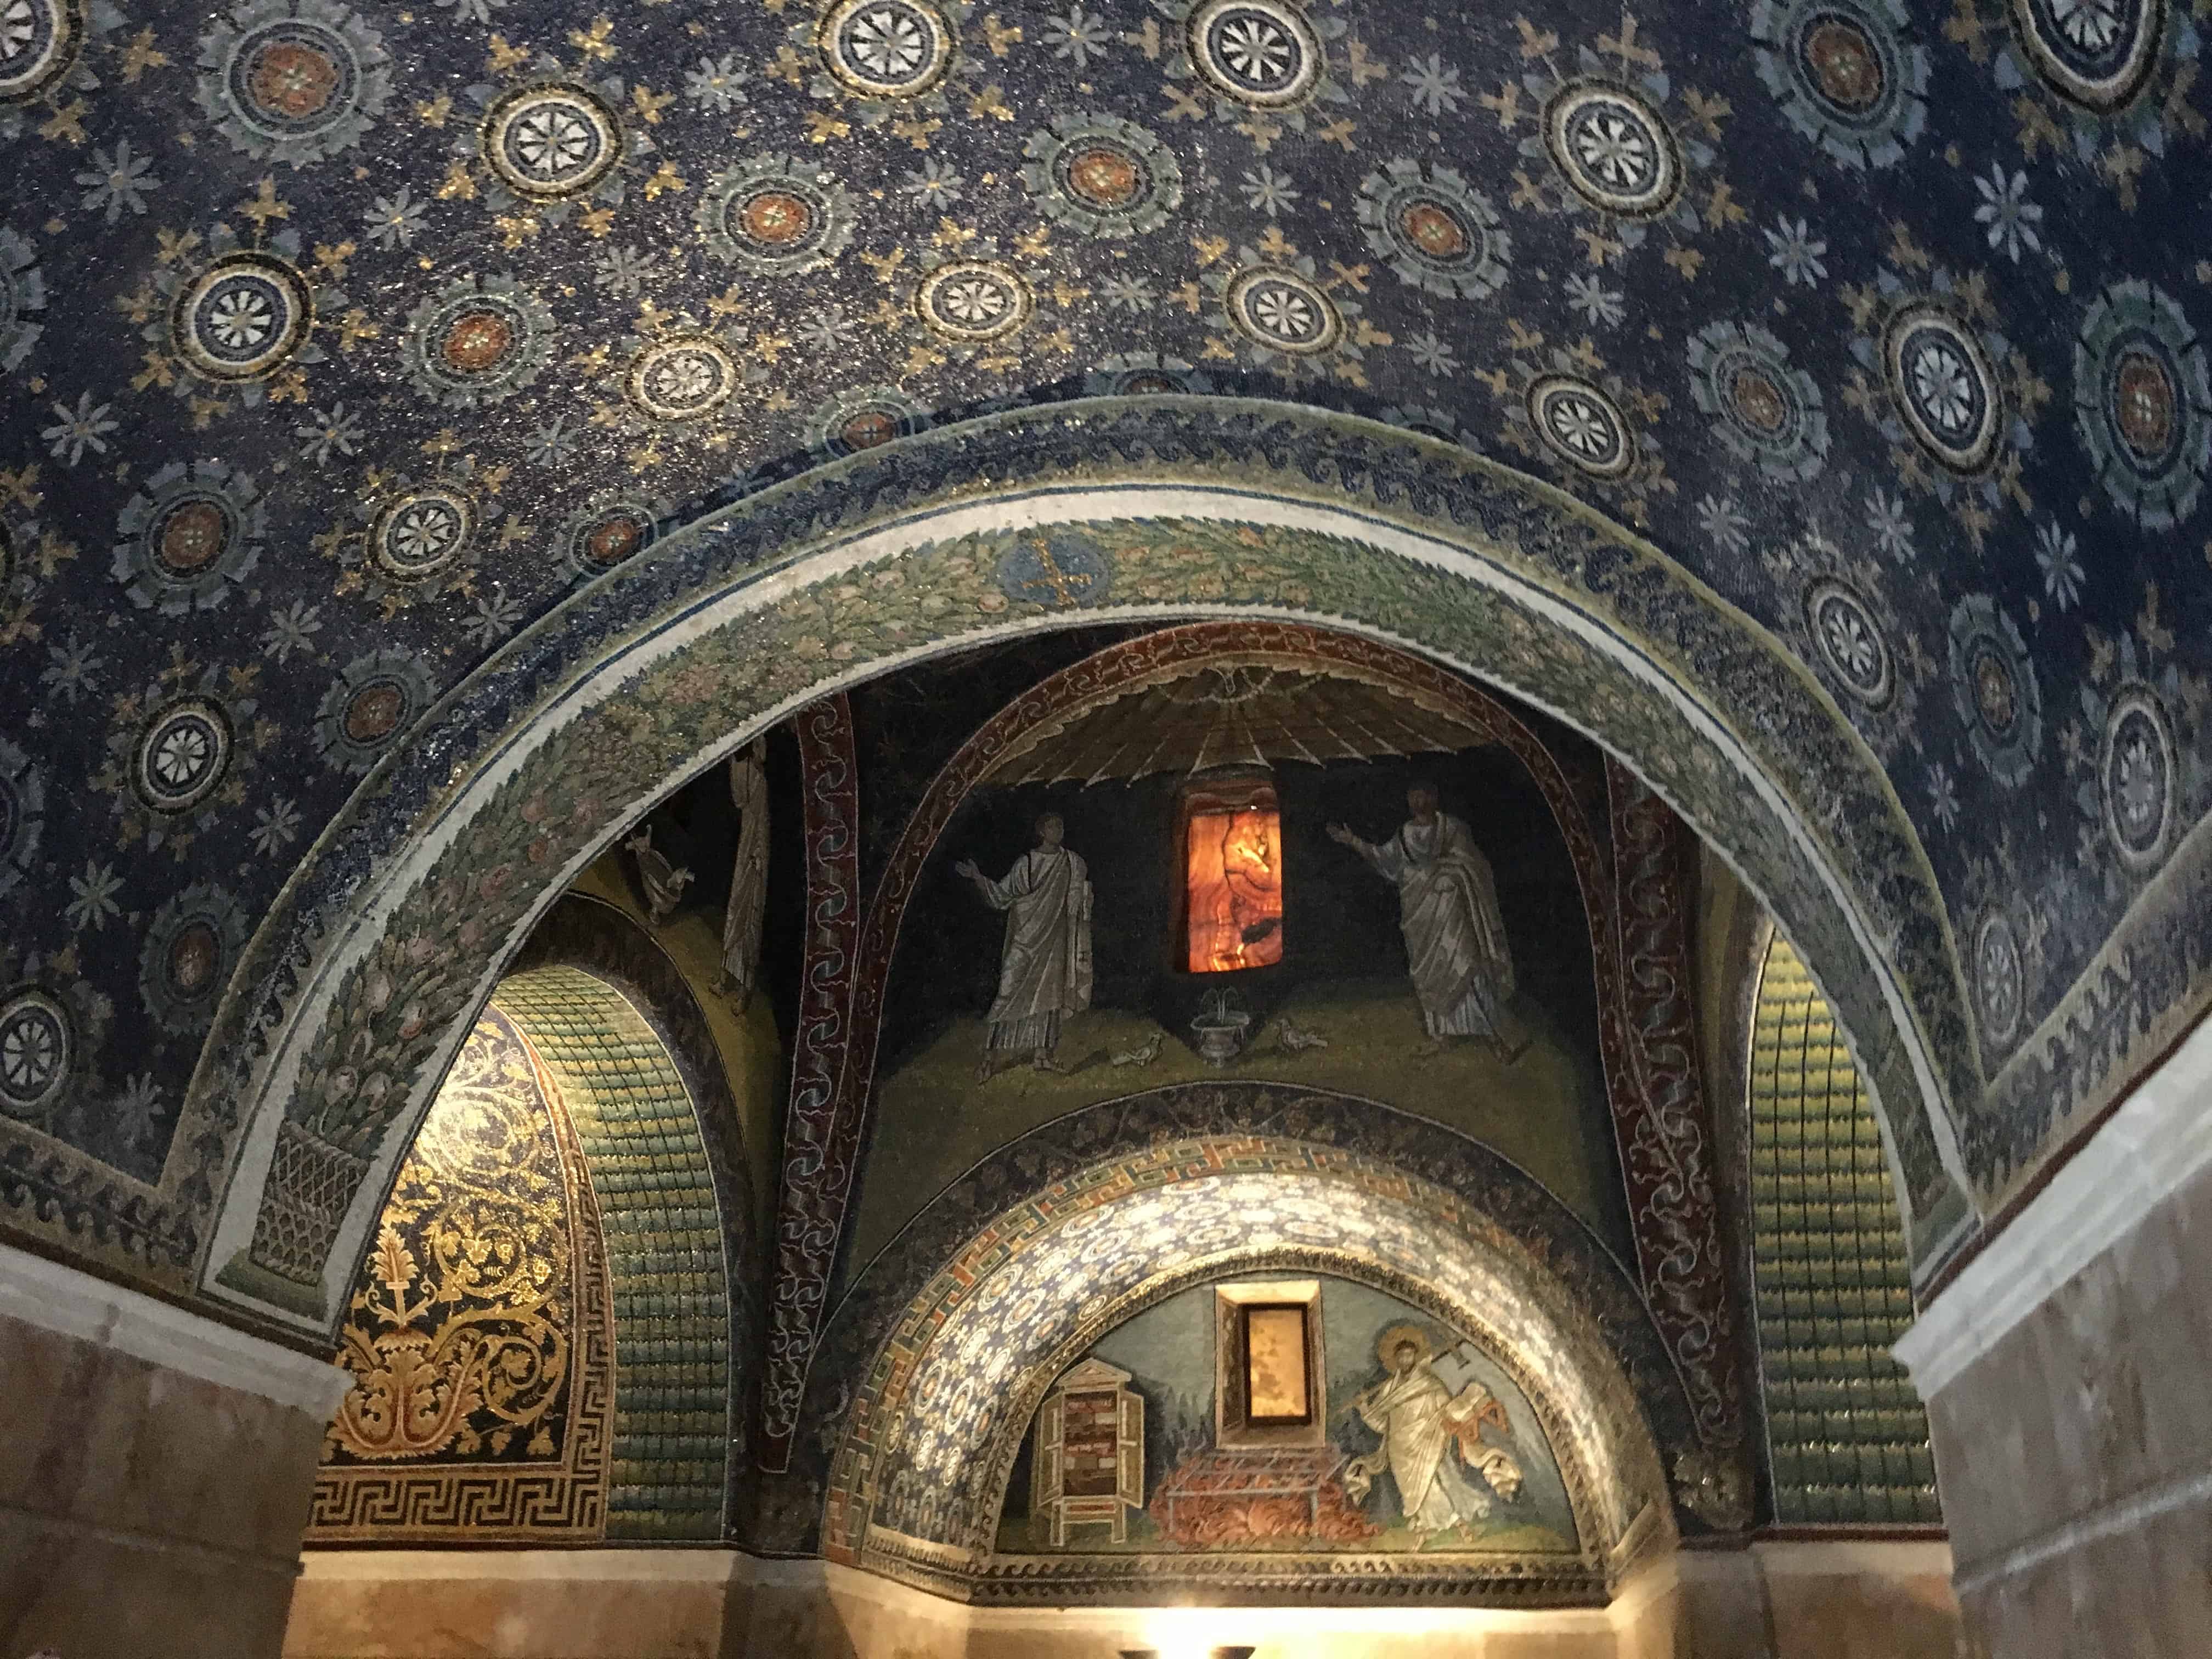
{"x": 1385, "y": 1345}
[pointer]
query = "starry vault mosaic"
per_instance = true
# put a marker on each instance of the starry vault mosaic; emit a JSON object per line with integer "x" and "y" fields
{"x": 340, "y": 341}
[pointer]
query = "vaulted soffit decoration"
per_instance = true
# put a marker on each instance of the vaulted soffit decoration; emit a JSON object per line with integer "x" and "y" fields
{"x": 1234, "y": 713}
{"x": 339, "y": 344}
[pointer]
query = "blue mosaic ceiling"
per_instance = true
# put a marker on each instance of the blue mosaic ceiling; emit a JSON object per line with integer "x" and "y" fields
{"x": 337, "y": 342}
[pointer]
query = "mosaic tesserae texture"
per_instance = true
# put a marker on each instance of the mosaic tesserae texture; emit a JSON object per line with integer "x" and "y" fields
{"x": 342, "y": 344}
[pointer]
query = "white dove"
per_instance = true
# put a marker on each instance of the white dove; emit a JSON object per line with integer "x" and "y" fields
{"x": 1293, "y": 1037}
{"x": 1143, "y": 1054}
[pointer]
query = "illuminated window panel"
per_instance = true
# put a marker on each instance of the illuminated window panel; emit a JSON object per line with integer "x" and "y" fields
{"x": 1278, "y": 1385}
{"x": 1232, "y": 897}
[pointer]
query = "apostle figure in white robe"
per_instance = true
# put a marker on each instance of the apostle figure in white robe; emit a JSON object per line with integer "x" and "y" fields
{"x": 1455, "y": 946}
{"x": 1044, "y": 973}
{"x": 1432, "y": 1440}
{"x": 741, "y": 921}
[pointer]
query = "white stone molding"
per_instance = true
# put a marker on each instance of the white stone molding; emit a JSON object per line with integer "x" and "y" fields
{"x": 75, "y": 1304}
{"x": 2158, "y": 1140}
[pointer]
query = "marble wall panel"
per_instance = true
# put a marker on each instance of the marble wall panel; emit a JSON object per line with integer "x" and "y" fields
{"x": 1859, "y": 1601}
{"x": 1723, "y": 1602}
{"x": 2075, "y": 1448}
{"x": 521, "y": 1604}
{"x": 142, "y": 1510}
{"x": 813, "y": 1610}
{"x": 2130, "y": 1585}
{"x": 2093, "y": 1397}
{"x": 1827, "y": 1601}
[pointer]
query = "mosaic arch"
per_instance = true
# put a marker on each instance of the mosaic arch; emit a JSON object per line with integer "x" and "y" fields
{"x": 831, "y": 1103}
{"x": 919, "y": 1474}
{"x": 553, "y": 1228}
{"x": 343, "y": 344}
{"x": 1034, "y": 1170}
{"x": 1144, "y": 509}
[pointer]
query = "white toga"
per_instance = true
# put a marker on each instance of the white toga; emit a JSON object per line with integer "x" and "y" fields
{"x": 1045, "y": 973}
{"x": 1455, "y": 946}
{"x": 1419, "y": 1418}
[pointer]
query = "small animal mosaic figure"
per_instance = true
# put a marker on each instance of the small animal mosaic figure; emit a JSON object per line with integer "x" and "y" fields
{"x": 1143, "y": 1054}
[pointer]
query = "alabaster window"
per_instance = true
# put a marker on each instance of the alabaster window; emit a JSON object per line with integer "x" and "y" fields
{"x": 1232, "y": 864}
{"x": 1278, "y": 1388}
{"x": 1268, "y": 1364}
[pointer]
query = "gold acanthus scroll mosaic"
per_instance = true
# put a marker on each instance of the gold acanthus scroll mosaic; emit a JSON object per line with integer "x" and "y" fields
{"x": 478, "y": 1332}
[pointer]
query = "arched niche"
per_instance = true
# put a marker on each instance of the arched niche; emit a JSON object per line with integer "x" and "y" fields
{"x": 358, "y": 989}
{"x": 935, "y": 1425}
{"x": 540, "y": 1334}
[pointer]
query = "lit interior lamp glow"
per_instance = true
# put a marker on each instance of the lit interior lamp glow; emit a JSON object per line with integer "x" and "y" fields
{"x": 1188, "y": 1633}
{"x": 1234, "y": 891}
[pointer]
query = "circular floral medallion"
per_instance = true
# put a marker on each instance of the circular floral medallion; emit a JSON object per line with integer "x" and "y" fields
{"x": 1284, "y": 311}
{"x": 682, "y": 379}
{"x": 188, "y": 537}
{"x": 2095, "y": 53}
{"x": 1848, "y": 641}
{"x": 886, "y": 48}
{"x": 36, "y": 1051}
{"x": 374, "y": 699}
{"x": 1846, "y": 74}
{"x": 864, "y": 419}
{"x": 23, "y": 298}
{"x": 608, "y": 531}
{"x": 2135, "y": 772}
{"x": 1764, "y": 411}
{"x": 1613, "y": 147}
{"x": 1436, "y": 231}
{"x": 373, "y": 713}
{"x": 293, "y": 80}
{"x": 974, "y": 300}
{"x": 1944, "y": 386}
{"x": 190, "y": 948}
{"x": 480, "y": 341}
{"x": 241, "y": 317}
{"x": 23, "y": 814}
{"x": 182, "y": 755}
{"x": 551, "y": 140}
{"x": 418, "y": 534}
{"x": 776, "y": 216}
{"x": 1263, "y": 53}
{"x": 39, "y": 40}
{"x": 1582, "y": 424}
{"x": 2143, "y": 402}
{"x": 1993, "y": 683}
{"x": 1103, "y": 175}
{"x": 2000, "y": 978}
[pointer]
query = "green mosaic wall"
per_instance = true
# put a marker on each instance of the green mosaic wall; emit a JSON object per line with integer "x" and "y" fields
{"x": 1848, "y": 1439}
{"x": 641, "y": 1140}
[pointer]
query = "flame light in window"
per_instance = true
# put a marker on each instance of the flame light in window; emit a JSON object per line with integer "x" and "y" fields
{"x": 1233, "y": 893}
